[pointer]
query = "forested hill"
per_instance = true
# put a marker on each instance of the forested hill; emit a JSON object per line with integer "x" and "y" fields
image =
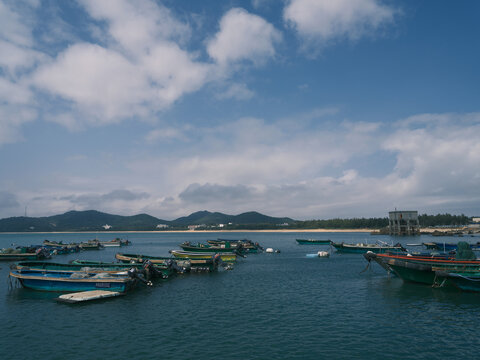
{"x": 92, "y": 220}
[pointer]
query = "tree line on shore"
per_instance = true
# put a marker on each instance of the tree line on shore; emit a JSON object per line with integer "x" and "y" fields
{"x": 355, "y": 223}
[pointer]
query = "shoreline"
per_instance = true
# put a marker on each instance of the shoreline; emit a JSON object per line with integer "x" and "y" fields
{"x": 200, "y": 231}
{"x": 363, "y": 230}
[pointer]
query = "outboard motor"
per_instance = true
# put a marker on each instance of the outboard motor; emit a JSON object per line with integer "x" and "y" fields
{"x": 217, "y": 260}
{"x": 172, "y": 264}
{"x": 133, "y": 273}
{"x": 240, "y": 250}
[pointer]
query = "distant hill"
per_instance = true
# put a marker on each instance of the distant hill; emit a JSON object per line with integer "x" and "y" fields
{"x": 248, "y": 218}
{"x": 92, "y": 220}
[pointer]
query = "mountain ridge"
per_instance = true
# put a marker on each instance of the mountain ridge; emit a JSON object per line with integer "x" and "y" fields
{"x": 93, "y": 220}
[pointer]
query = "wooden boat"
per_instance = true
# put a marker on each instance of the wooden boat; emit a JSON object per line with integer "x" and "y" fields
{"x": 91, "y": 245}
{"x": 24, "y": 253}
{"x": 229, "y": 257}
{"x": 111, "y": 243}
{"x": 73, "y": 247}
{"x": 313, "y": 242}
{"x": 462, "y": 281}
{"x": 247, "y": 245}
{"x": 212, "y": 249}
{"x": 117, "y": 242}
{"x": 422, "y": 269}
{"x": 72, "y": 282}
{"x": 361, "y": 248}
{"x": 209, "y": 264}
{"x": 153, "y": 271}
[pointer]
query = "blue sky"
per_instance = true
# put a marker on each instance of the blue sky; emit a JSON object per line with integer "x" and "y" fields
{"x": 311, "y": 109}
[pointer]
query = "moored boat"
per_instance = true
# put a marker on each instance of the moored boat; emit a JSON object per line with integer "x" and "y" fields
{"x": 229, "y": 257}
{"x": 72, "y": 282}
{"x": 199, "y": 247}
{"x": 209, "y": 264}
{"x": 361, "y": 248}
{"x": 423, "y": 269}
{"x": 246, "y": 245}
{"x": 313, "y": 242}
{"x": 117, "y": 242}
{"x": 148, "y": 270}
{"x": 464, "y": 282}
{"x": 91, "y": 245}
{"x": 24, "y": 253}
{"x": 72, "y": 247}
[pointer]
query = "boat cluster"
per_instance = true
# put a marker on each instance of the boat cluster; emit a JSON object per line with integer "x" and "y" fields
{"x": 50, "y": 248}
{"x": 89, "y": 276}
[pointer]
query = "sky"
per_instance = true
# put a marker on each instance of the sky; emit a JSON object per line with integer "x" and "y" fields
{"x": 310, "y": 109}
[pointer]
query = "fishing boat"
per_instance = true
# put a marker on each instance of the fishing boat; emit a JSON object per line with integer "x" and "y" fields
{"x": 361, "y": 248}
{"x": 229, "y": 257}
{"x": 148, "y": 270}
{"x": 24, "y": 253}
{"x": 91, "y": 245}
{"x": 117, "y": 242}
{"x": 209, "y": 264}
{"x": 462, "y": 281}
{"x": 199, "y": 247}
{"x": 313, "y": 242}
{"x": 73, "y": 247}
{"x": 247, "y": 245}
{"x": 76, "y": 281}
{"x": 422, "y": 269}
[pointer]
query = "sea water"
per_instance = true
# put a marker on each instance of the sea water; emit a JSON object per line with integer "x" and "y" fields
{"x": 270, "y": 306}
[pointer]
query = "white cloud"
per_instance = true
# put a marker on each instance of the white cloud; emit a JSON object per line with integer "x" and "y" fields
{"x": 243, "y": 36}
{"x": 236, "y": 91}
{"x": 321, "y": 21}
{"x": 168, "y": 134}
{"x": 17, "y": 105}
{"x": 137, "y": 25}
{"x": 288, "y": 168}
{"x": 139, "y": 72}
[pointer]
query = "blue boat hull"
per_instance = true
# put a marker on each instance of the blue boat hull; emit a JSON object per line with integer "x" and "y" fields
{"x": 65, "y": 283}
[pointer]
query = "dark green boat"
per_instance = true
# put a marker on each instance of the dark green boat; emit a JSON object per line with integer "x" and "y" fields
{"x": 464, "y": 282}
{"x": 199, "y": 247}
{"x": 425, "y": 269}
{"x": 210, "y": 264}
{"x": 313, "y": 242}
{"x": 245, "y": 245}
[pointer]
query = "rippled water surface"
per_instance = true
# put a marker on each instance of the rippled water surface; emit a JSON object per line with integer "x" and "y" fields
{"x": 271, "y": 306}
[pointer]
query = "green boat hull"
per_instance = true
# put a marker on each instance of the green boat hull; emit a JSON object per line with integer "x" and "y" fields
{"x": 363, "y": 248}
{"x": 207, "y": 249}
{"x": 313, "y": 242}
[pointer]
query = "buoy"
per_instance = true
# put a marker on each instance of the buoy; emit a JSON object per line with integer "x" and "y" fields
{"x": 323, "y": 254}
{"x": 269, "y": 250}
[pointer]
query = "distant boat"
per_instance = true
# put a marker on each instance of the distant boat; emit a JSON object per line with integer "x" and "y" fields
{"x": 115, "y": 242}
{"x": 230, "y": 257}
{"x": 313, "y": 242}
{"x": 361, "y": 248}
{"x": 212, "y": 249}
{"x": 24, "y": 253}
{"x": 246, "y": 245}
